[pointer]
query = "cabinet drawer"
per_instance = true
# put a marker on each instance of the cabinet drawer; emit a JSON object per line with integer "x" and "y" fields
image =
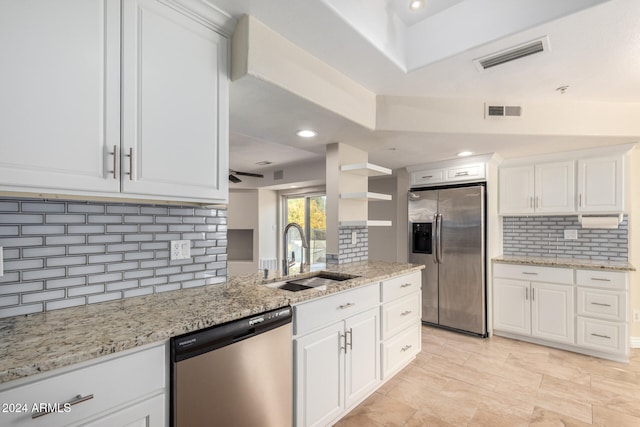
{"x": 398, "y": 351}
{"x": 427, "y": 177}
{"x": 603, "y": 304}
{"x": 533, "y": 273}
{"x": 400, "y": 314}
{"x": 400, "y": 286}
{"x": 112, "y": 383}
{"x": 324, "y": 311}
{"x": 467, "y": 172}
{"x": 602, "y": 335}
{"x": 602, "y": 279}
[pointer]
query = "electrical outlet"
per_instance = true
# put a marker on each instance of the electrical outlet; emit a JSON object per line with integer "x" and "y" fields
{"x": 570, "y": 234}
{"x": 636, "y": 315}
{"x": 180, "y": 249}
{"x": 354, "y": 237}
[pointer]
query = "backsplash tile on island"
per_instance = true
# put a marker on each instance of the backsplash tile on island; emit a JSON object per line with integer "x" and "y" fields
{"x": 543, "y": 236}
{"x": 60, "y": 254}
{"x": 349, "y": 252}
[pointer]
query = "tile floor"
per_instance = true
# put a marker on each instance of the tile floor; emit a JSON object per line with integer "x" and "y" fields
{"x": 458, "y": 380}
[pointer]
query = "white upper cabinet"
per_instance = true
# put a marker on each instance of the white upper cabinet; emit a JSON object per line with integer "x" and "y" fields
{"x": 555, "y": 187}
{"x": 601, "y": 184}
{"x": 109, "y": 98}
{"x": 174, "y": 114}
{"x": 60, "y": 86}
{"x": 516, "y": 190}
{"x": 539, "y": 188}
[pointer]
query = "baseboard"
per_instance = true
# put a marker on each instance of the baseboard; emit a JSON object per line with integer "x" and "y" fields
{"x": 635, "y": 342}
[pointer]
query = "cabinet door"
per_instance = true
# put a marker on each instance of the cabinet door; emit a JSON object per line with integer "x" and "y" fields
{"x": 60, "y": 94}
{"x": 516, "y": 190}
{"x": 511, "y": 307}
{"x": 150, "y": 412}
{"x": 552, "y": 312}
{"x": 319, "y": 376}
{"x": 362, "y": 370}
{"x": 600, "y": 184}
{"x": 555, "y": 187}
{"x": 174, "y": 106}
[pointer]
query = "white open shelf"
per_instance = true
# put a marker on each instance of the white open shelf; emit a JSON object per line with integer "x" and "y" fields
{"x": 365, "y": 195}
{"x": 366, "y": 169}
{"x": 369, "y": 223}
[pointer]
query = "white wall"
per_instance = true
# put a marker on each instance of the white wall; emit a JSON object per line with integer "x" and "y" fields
{"x": 383, "y": 242}
{"x": 268, "y": 223}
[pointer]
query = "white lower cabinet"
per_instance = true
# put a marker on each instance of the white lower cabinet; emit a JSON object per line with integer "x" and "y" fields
{"x": 579, "y": 310}
{"x": 337, "y": 365}
{"x": 528, "y": 307}
{"x": 128, "y": 390}
{"x": 345, "y": 344}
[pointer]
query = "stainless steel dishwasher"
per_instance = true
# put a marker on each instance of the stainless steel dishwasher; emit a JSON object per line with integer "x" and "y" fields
{"x": 235, "y": 374}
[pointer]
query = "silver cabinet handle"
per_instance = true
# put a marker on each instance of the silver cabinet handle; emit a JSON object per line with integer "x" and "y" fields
{"x": 580, "y": 199}
{"x": 406, "y": 313}
{"x": 427, "y": 177}
{"x": 537, "y": 202}
{"x": 349, "y": 343}
{"x": 406, "y": 347}
{"x": 600, "y": 280}
{"x": 601, "y": 304}
{"x": 347, "y": 305}
{"x": 78, "y": 399}
{"x": 465, "y": 173}
{"x": 533, "y": 294}
{"x": 531, "y": 201}
{"x": 115, "y": 162}
{"x": 601, "y": 336}
{"x": 132, "y": 163}
{"x": 406, "y": 285}
{"x": 529, "y": 273}
{"x": 526, "y": 294}
{"x": 343, "y": 339}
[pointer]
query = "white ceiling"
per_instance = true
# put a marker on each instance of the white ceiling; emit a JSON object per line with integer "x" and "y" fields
{"x": 595, "y": 51}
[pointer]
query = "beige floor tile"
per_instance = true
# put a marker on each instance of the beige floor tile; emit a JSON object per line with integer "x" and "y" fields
{"x": 461, "y": 380}
{"x": 545, "y": 418}
{"x": 610, "y": 418}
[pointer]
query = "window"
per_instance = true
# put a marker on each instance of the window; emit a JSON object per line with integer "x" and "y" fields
{"x": 310, "y": 212}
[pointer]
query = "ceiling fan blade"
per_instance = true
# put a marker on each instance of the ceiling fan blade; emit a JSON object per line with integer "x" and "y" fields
{"x": 255, "y": 175}
{"x": 234, "y": 179}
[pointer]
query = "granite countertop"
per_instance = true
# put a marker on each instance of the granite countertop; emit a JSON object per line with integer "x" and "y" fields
{"x": 566, "y": 262}
{"x": 44, "y": 341}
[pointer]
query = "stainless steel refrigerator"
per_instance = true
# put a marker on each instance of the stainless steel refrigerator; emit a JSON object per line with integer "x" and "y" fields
{"x": 447, "y": 234}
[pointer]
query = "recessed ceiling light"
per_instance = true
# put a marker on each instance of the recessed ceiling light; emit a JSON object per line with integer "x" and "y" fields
{"x": 264, "y": 163}
{"x": 306, "y": 133}
{"x": 464, "y": 153}
{"x": 416, "y": 4}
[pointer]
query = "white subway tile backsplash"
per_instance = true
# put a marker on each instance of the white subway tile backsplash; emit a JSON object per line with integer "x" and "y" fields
{"x": 42, "y": 296}
{"x": 85, "y": 290}
{"x": 61, "y": 254}
{"x": 544, "y": 236}
{"x": 21, "y": 310}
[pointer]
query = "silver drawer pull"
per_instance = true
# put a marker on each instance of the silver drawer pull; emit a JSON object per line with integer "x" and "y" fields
{"x": 347, "y": 305}
{"x": 465, "y": 173}
{"x": 529, "y": 273}
{"x": 406, "y": 347}
{"x": 601, "y": 304}
{"x": 406, "y": 313}
{"x": 427, "y": 176}
{"x": 600, "y": 280}
{"x": 600, "y": 336}
{"x": 78, "y": 399}
{"x": 406, "y": 285}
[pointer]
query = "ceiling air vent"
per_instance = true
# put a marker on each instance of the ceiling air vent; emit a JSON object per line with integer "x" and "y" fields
{"x": 511, "y": 54}
{"x": 495, "y": 110}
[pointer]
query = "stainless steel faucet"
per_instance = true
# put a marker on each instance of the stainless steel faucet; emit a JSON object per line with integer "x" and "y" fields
{"x": 285, "y": 260}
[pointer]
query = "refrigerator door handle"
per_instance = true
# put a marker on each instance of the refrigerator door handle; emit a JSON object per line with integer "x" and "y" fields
{"x": 439, "y": 225}
{"x": 434, "y": 240}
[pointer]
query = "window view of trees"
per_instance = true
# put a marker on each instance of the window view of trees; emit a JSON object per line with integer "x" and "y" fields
{"x": 310, "y": 212}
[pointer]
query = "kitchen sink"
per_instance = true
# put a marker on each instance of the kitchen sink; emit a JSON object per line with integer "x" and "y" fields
{"x": 318, "y": 280}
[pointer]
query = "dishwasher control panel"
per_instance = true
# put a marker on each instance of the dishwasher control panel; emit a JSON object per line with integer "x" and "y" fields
{"x": 271, "y": 315}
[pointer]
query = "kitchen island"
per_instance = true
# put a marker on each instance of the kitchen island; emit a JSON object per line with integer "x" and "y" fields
{"x": 42, "y": 342}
